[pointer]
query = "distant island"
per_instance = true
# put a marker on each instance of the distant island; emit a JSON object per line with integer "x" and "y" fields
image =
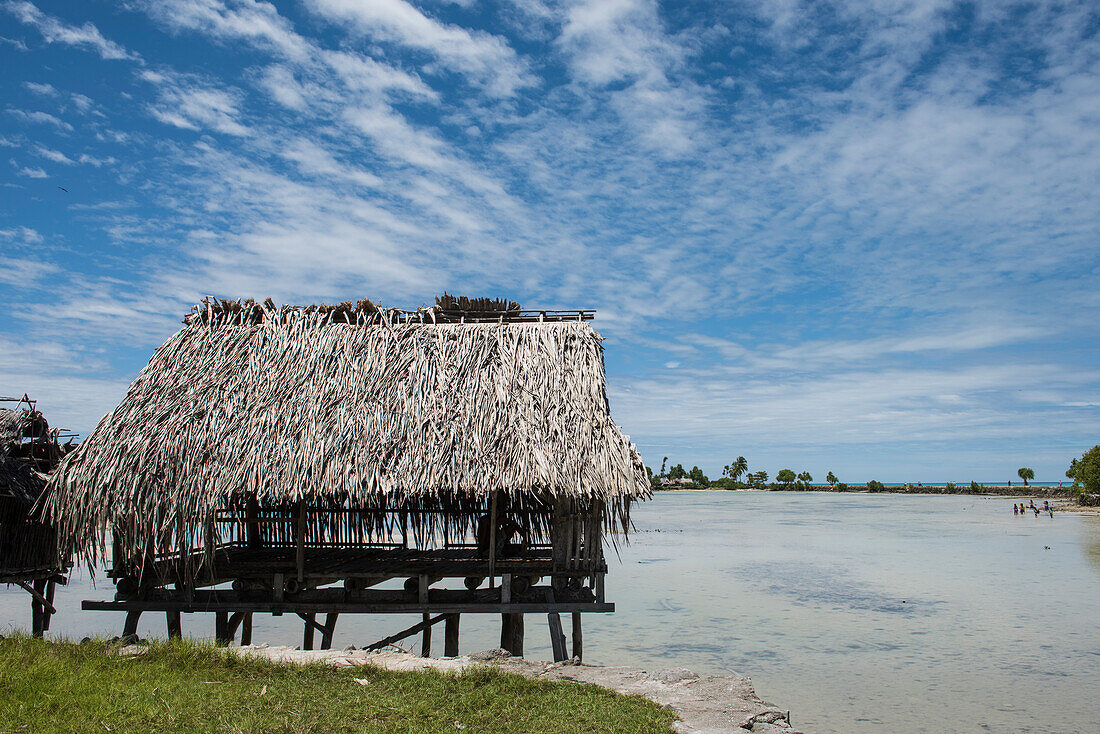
{"x": 1083, "y": 473}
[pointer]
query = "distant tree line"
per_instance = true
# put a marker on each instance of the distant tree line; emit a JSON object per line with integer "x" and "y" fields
{"x": 735, "y": 475}
{"x": 1085, "y": 473}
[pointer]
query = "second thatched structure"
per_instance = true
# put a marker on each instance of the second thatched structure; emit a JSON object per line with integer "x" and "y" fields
{"x": 29, "y": 451}
{"x": 307, "y": 456}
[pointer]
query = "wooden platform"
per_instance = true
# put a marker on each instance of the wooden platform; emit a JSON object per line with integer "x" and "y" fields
{"x": 239, "y": 562}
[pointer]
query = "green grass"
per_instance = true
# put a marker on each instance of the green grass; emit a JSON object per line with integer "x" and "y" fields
{"x": 191, "y": 687}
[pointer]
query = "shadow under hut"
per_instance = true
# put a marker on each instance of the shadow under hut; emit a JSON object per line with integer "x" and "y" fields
{"x": 326, "y": 460}
{"x": 29, "y": 451}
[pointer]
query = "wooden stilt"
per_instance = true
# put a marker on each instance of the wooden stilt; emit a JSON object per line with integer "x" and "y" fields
{"x": 221, "y": 628}
{"x": 38, "y": 609}
{"x": 129, "y": 627}
{"x": 450, "y": 636}
{"x": 426, "y": 641}
{"x": 175, "y": 627}
{"x": 48, "y": 609}
{"x": 330, "y": 628}
{"x": 557, "y": 637}
{"x": 246, "y": 630}
{"x": 578, "y": 648}
{"x": 511, "y": 633}
{"x": 235, "y": 621}
{"x": 307, "y": 636}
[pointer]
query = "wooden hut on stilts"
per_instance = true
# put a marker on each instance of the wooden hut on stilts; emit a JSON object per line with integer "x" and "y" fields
{"x": 293, "y": 460}
{"x": 29, "y": 451}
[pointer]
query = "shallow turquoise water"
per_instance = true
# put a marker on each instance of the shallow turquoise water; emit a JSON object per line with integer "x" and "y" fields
{"x": 857, "y": 612}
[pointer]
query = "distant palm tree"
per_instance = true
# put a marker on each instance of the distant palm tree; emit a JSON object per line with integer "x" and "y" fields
{"x": 1025, "y": 473}
{"x": 738, "y": 467}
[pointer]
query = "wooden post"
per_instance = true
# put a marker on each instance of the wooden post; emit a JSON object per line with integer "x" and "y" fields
{"x": 246, "y": 630}
{"x": 235, "y": 621}
{"x": 252, "y": 523}
{"x": 116, "y": 551}
{"x": 301, "y": 539}
{"x": 129, "y": 627}
{"x": 578, "y": 648}
{"x": 221, "y": 628}
{"x": 422, "y": 594}
{"x": 51, "y": 587}
{"x": 175, "y": 626}
{"x": 557, "y": 637}
{"x": 40, "y": 615}
{"x": 493, "y": 540}
{"x": 450, "y": 636}
{"x": 511, "y": 633}
{"x": 327, "y": 632}
{"x": 307, "y": 636}
{"x": 426, "y": 642}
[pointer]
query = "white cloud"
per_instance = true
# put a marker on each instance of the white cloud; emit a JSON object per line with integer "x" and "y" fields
{"x": 622, "y": 44}
{"x": 21, "y": 234}
{"x": 56, "y": 31}
{"x": 314, "y": 160}
{"x": 53, "y": 155}
{"x": 482, "y": 57}
{"x": 40, "y": 118}
{"x": 46, "y": 90}
{"x": 187, "y": 103}
{"x": 33, "y": 172}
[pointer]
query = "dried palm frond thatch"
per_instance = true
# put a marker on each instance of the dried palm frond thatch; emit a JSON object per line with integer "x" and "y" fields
{"x": 353, "y": 406}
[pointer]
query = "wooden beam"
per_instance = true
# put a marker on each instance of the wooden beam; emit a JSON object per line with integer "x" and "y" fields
{"x": 37, "y": 594}
{"x": 203, "y": 603}
{"x": 406, "y": 632}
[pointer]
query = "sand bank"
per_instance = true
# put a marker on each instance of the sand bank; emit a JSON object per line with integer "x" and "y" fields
{"x": 705, "y": 704}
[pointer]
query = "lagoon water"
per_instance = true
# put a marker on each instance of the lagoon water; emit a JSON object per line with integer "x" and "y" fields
{"x": 859, "y": 613}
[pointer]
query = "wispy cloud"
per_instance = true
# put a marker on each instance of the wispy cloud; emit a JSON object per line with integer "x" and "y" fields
{"x": 482, "y": 57}
{"x": 54, "y": 30}
{"x": 39, "y": 118}
{"x": 188, "y": 103}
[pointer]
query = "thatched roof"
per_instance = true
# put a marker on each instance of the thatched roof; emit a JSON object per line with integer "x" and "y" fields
{"x": 351, "y": 403}
{"x": 27, "y": 546}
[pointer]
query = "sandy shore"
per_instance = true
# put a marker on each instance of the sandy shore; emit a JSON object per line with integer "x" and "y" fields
{"x": 705, "y": 704}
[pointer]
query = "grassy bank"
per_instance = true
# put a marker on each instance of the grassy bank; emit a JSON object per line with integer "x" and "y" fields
{"x": 189, "y": 687}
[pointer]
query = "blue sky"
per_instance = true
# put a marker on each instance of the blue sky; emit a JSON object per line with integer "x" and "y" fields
{"x": 859, "y": 236}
